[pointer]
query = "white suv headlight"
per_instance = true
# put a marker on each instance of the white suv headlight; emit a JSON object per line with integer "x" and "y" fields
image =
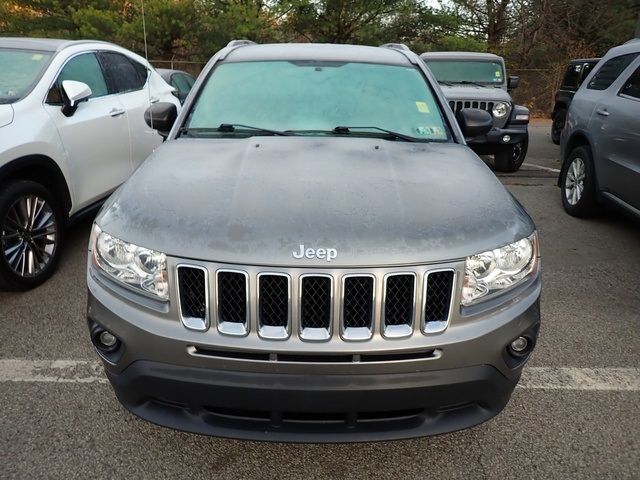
{"x": 494, "y": 271}
{"x": 500, "y": 109}
{"x": 136, "y": 267}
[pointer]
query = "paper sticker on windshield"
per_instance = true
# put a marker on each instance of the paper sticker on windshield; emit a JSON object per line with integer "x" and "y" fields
{"x": 36, "y": 57}
{"x": 498, "y": 73}
{"x": 422, "y": 107}
{"x": 433, "y": 132}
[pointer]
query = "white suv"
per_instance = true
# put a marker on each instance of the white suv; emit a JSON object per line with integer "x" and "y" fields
{"x": 72, "y": 129}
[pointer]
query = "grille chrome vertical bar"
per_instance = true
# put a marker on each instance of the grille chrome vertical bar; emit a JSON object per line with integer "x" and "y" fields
{"x": 314, "y": 332}
{"x": 358, "y": 332}
{"x": 272, "y": 332}
{"x": 225, "y": 326}
{"x": 441, "y": 324}
{"x": 201, "y": 322}
{"x": 398, "y": 330}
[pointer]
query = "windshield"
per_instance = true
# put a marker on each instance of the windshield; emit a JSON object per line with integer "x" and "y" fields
{"x": 316, "y": 97}
{"x": 19, "y": 71}
{"x": 465, "y": 71}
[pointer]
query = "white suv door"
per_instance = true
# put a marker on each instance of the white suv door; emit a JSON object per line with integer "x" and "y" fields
{"x": 96, "y": 136}
{"x": 131, "y": 80}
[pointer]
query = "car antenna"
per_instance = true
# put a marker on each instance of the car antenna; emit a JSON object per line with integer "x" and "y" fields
{"x": 146, "y": 57}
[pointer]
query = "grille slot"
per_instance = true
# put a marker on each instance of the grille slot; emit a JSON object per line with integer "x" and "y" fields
{"x": 232, "y": 299}
{"x": 357, "y": 307}
{"x": 273, "y": 305}
{"x": 193, "y": 297}
{"x": 398, "y": 305}
{"x": 437, "y": 300}
{"x": 315, "y": 306}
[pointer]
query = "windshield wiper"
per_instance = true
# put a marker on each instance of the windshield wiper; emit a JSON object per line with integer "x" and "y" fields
{"x": 231, "y": 128}
{"x": 342, "y": 130}
{"x": 469, "y": 82}
{"x": 442, "y": 82}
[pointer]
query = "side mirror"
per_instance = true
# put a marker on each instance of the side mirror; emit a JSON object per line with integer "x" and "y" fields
{"x": 161, "y": 117}
{"x": 474, "y": 122}
{"x": 513, "y": 82}
{"x": 74, "y": 93}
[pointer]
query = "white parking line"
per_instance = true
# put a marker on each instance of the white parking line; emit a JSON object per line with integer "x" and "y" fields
{"x": 533, "y": 378}
{"x": 540, "y": 167}
{"x": 572, "y": 378}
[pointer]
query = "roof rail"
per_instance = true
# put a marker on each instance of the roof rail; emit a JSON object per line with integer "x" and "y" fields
{"x": 396, "y": 46}
{"x": 240, "y": 43}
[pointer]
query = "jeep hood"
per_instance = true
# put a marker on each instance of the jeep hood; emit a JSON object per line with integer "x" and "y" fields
{"x": 6, "y": 114}
{"x": 254, "y": 201}
{"x": 474, "y": 92}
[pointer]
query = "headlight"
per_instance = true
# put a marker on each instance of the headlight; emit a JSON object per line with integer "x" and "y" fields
{"x": 500, "y": 109}
{"x": 139, "y": 268}
{"x": 491, "y": 272}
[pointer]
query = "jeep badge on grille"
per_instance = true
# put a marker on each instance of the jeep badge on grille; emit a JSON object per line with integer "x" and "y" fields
{"x": 327, "y": 254}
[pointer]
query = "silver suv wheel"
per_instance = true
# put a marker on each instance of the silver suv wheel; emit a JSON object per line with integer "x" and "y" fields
{"x": 29, "y": 234}
{"x": 574, "y": 181}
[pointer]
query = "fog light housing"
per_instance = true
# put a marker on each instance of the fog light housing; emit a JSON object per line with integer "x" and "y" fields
{"x": 519, "y": 345}
{"x": 506, "y": 138}
{"x": 105, "y": 341}
{"x": 108, "y": 339}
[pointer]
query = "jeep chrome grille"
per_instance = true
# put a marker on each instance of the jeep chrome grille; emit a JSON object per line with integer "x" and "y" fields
{"x": 316, "y": 306}
{"x": 305, "y": 304}
{"x": 193, "y": 297}
{"x": 273, "y": 305}
{"x": 357, "y": 307}
{"x": 437, "y": 300}
{"x": 232, "y": 301}
{"x": 399, "y": 304}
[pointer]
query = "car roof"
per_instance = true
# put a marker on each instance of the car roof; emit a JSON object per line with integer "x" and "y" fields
{"x": 318, "y": 51}
{"x": 460, "y": 56}
{"x": 42, "y": 44}
{"x": 632, "y": 46}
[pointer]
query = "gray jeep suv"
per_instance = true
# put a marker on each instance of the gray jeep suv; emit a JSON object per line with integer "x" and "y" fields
{"x": 314, "y": 254}
{"x": 479, "y": 80}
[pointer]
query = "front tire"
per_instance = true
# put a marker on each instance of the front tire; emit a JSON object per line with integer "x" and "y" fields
{"x": 578, "y": 183}
{"x": 557, "y": 126}
{"x": 510, "y": 158}
{"x": 31, "y": 234}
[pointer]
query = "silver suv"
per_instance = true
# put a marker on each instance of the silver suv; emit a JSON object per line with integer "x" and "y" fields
{"x": 314, "y": 254}
{"x": 601, "y": 139}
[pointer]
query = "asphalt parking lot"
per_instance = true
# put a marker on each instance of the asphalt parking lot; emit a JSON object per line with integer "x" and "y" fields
{"x": 576, "y": 414}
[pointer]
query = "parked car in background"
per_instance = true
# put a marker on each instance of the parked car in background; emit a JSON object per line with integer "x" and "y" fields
{"x": 72, "y": 129}
{"x": 479, "y": 80}
{"x": 314, "y": 254}
{"x": 600, "y": 144}
{"x": 181, "y": 81}
{"x": 576, "y": 72}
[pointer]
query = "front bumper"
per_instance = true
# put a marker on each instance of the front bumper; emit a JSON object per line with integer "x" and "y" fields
{"x": 312, "y": 408}
{"x": 158, "y": 377}
{"x": 493, "y": 141}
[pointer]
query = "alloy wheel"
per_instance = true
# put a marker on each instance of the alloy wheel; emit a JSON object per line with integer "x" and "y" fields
{"x": 574, "y": 181}
{"x": 28, "y": 235}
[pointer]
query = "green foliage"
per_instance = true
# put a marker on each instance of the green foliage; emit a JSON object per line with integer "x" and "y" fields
{"x": 529, "y": 33}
